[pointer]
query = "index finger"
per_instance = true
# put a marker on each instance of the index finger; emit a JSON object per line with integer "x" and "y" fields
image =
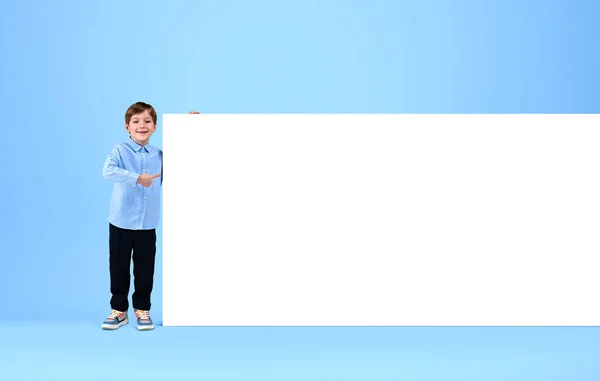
{"x": 155, "y": 176}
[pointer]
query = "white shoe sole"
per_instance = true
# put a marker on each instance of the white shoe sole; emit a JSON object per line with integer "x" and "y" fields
{"x": 112, "y": 327}
{"x": 145, "y": 327}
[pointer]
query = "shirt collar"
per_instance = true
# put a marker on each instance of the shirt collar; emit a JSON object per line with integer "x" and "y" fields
{"x": 136, "y": 147}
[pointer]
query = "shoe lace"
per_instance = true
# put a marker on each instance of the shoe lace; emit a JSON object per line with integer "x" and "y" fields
{"x": 115, "y": 313}
{"x": 144, "y": 315}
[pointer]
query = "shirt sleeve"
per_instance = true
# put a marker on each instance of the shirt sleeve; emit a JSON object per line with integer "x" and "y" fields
{"x": 112, "y": 172}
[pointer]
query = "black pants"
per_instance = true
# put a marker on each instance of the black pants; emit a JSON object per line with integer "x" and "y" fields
{"x": 143, "y": 244}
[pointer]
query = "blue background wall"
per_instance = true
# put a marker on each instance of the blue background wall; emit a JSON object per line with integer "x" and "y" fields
{"x": 70, "y": 70}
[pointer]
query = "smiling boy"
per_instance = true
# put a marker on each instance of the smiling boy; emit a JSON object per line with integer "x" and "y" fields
{"x": 135, "y": 168}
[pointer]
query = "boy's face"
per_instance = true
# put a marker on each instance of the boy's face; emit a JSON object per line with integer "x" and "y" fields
{"x": 141, "y": 127}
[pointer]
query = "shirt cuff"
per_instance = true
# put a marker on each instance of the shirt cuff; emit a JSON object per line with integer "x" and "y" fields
{"x": 133, "y": 178}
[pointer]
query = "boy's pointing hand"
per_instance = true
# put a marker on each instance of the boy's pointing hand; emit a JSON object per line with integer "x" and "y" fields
{"x": 146, "y": 180}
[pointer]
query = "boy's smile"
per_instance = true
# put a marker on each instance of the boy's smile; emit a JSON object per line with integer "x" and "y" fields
{"x": 141, "y": 127}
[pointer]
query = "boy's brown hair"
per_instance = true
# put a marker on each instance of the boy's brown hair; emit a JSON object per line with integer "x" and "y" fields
{"x": 138, "y": 108}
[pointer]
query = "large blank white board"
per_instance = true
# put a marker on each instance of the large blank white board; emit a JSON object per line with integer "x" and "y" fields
{"x": 381, "y": 220}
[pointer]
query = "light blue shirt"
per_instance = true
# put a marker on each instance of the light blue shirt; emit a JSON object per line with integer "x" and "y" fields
{"x": 134, "y": 206}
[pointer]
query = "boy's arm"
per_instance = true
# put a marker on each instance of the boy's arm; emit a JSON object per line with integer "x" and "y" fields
{"x": 111, "y": 170}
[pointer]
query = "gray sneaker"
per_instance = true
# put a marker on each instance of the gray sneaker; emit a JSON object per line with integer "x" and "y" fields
{"x": 144, "y": 323}
{"x": 115, "y": 320}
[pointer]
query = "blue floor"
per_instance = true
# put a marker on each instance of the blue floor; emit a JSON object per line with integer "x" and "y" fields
{"x": 82, "y": 351}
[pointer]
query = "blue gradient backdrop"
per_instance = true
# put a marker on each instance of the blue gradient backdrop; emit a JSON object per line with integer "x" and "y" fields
{"x": 70, "y": 69}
